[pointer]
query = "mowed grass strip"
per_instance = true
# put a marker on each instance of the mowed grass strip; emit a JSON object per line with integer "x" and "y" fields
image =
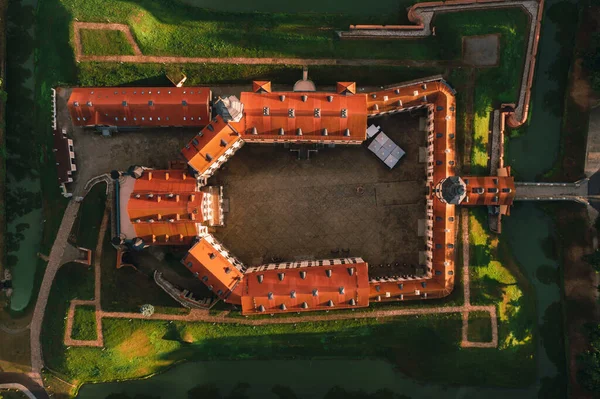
{"x": 480, "y": 327}
{"x": 423, "y": 347}
{"x": 177, "y": 29}
{"x": 84, "y": 323}
{"x": 104, "y": 42}
{"x": 89, "y": 218}
{"x": 494, "y": 281}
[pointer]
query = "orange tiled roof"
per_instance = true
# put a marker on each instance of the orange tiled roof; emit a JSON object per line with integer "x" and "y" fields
{"x": 209, "y": 262}
{"x": 140, "y": 106}
{"x": 163, "y": 207}
{"x": 304, "y": 117}
{"x": 260, "y": 86}
{"x": 291, "y": 287}
{"x": 439, "y": 100}
{"x": 210, "y": 144}
{"x": 489, "y": 190}
{"x": 346, "y": 87}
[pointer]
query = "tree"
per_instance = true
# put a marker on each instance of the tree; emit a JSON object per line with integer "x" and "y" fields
{"x": 588, "y": 373}
{"x": 147, "y": 310}
{"x": 593, "y": 259}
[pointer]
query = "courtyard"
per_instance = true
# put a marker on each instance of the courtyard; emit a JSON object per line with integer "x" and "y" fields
{"x": 342, "y": 201}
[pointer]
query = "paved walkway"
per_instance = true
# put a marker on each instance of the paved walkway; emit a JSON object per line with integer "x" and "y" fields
{"x": 54, "y": 263}
{"x": 18, "y": 387}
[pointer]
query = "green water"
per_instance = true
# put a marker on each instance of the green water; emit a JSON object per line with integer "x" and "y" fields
{"x": 305, "y": 378}
{"x": 25, "y": 224}
{"x": 535, "y": 152}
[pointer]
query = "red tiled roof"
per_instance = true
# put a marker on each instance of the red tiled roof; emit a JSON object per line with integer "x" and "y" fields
{"x": 211, "y": 143}
{"x": 489, "y": 190}
{"x": 304, "y": 116}
{"x": 165, "y": 207}
{"x": 214, "y": 267}
{"x": 140, "y": 106}
{"x": 281, "y": 288}
{"x": 259, "y": 86}
{"x": 346, "y": 87}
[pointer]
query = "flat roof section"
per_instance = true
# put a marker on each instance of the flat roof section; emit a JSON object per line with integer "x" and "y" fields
{"x": 140, "y": 106}
{"x": 297, "y": 116}
{"x": 282, "y": 288}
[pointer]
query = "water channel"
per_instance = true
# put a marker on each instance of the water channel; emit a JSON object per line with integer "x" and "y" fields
{"x": 28, "y": 225}
{"x": 527, "y": 229}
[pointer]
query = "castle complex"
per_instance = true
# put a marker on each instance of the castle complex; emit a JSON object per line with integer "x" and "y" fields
{"x": 179, "y": 207}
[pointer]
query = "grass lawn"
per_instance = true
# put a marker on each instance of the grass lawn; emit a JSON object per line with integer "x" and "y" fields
{"x": 11, "y": 394}
{"x": 84, "y": 323}
{"x": 479, "y": 151}
{"x": 176, "y": 29}
{"x": 480, "y": 327}
{"x": 89, "y": 219}
{"x": 126, "y": 289}
{"x": 495, "y": 280}
{"x": 114, "y": 74}
{"x": 73, "y": 281}
{"x": 105, "y": 42}
{"x": 424, "y": 347}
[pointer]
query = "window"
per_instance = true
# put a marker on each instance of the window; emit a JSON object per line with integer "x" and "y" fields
{"x": 506, "y": 190}
{"x": 439, "y": 135}
{"x": 291, "y": 113}
{"x": 492, "y": 190}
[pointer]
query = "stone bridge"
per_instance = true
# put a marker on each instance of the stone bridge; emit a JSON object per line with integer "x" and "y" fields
{"x": 577, "y": 191}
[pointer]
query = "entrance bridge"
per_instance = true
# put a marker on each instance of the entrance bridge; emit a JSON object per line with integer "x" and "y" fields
{"x": 577, "y": 191}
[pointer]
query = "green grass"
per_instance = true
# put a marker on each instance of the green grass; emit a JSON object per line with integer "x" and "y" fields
{"x": 178, "y": 30}
{"x": 424, "y": 347}
{"x": 10, "y": 394}
{"x": 127, "y": 289}
{"x": 479, "y": 150}
{"x": 480, "y": 327}
{"x": 111, "y": 74}
{"x": 84, "y": 323}
{"x": 89, "y": 219}
{"x": 104, "y": 42}
{"x": 73, "y": 281}
{"x": 495, "y": 280}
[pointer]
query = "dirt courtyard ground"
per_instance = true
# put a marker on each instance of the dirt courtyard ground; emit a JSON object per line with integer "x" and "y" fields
{"x": 95, "y": 155}
{"x": 481, "y": 50}
{"x": 341, "y": 198}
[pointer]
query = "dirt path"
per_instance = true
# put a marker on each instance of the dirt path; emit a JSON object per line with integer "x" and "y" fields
{"x": 140, "y": 58}
{"x": 77, "y": 26}
{"x": 99, "y": 341}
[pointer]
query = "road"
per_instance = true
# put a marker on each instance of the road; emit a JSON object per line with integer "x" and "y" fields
{"x": 24, "y": 380}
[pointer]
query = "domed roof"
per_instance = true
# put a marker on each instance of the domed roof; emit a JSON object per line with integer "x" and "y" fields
{"x": 453, "y": 190}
